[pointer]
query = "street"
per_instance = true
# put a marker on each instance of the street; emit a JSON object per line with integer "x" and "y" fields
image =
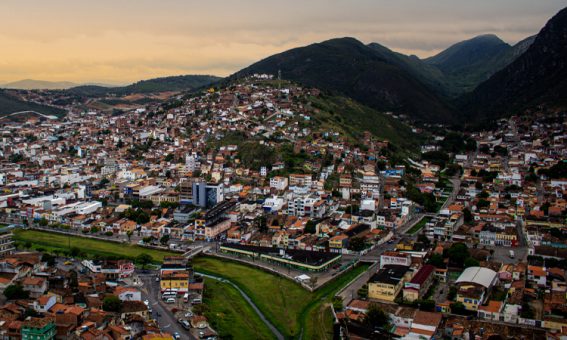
{"x": 165, "y": 319}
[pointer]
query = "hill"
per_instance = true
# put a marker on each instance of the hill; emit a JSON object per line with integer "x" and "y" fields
{"x": 10, "y": 104}
{"x": 348, "y": 67}
{"x": 31, "y": 84}
{"x": 538, "y": 76}
{"x": 352, "y": 118}
{"x": 174, "y": 83}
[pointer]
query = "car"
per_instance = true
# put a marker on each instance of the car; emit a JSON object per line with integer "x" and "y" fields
{"x": 185, "y": 324}
{"x": 170, "y": 300}
{"x": 68, "y": 263}
{"x": 157, "y": 279}
{"x": 189, "y": 314}
{"x": 146, "y": 302}
{"x": 176, "y": 335}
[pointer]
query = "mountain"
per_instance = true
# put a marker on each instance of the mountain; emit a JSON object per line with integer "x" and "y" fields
{"x": 31, "y": 84}
{"x": 428, "y": 74}
{"x": 174, "y": 83}
{"x": 538, "y": 76}
{"x": 9, "y": 104}
{"x": 348, "y": 67}
{"x": 470, "y": 62}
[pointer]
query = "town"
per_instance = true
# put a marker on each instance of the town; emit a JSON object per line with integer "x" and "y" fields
{"x": 170, "y": 219}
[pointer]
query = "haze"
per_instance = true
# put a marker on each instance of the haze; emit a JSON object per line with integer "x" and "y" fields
{"x": 124, "y": 41}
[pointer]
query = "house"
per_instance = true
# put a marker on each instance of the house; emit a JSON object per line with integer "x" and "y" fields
{"x": 537, "y": 275}
{"x": 419, "y": 284}
{"x": 387, "y": 283}
{"x": 474, "y": 285}
{"x": 128, "y": 293}
{"x": 199, "y": 321}
{"x": 44, "y": 303}
{"x": 130, "y": 308}
{"x": 424, "y": 325}
{"x": 36, "y": 286}
{"x": 38, "y": 329}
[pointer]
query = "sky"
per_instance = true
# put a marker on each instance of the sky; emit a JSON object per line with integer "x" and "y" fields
{"x": 122, "y": 41}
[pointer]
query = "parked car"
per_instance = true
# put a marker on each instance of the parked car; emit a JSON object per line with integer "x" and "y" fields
{"x": 176, "y": 335}
{"x": 170, "y": 300}
{"x": 185, "y": 324}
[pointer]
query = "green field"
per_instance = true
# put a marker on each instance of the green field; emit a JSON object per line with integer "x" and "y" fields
{"x": 418, "y": 226}
{"x": 229, "y": 314}
{"x": 53, "y": 241}
{"x": 289, "y": 307}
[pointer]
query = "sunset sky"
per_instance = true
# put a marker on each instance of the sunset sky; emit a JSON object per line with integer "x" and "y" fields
{"x": 121, "y": 41}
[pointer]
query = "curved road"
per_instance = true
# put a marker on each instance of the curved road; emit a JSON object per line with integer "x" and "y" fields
{"x": 274, "y": 330}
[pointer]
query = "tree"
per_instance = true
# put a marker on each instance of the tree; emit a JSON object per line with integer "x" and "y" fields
{"x": 471, "y": 262}
{"x": 376, "y": 317}
{"x": 111, "y": 303}
{"x": 129, "y": 234}
{"x": 43, "y": 222}
{"x": 482, "y": 204}
{"x": 74, "y": 251}
{"x": 49, "y": 259}
{"x": 261, "y": 224}
{"x": 437, "y": 261}
{"x": 467, "y": 215}
{"x": 15, "y": 292}
{"x": 357, "y": 244}
{"x": 458, "y": 308}
{"x": 200, "y": 309}
{"x": 458, "y": 253}
{"x": 164, "y": 239}
{"x": 310, "y": 227}
{"x": 143, "y": 259}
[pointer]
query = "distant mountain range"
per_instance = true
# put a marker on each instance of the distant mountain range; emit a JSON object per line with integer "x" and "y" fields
{"x": 31, "y": 84}
{"x": 478, "y": 79}
{"x": 10, "y": 104}
{"x": 174, "y": 83}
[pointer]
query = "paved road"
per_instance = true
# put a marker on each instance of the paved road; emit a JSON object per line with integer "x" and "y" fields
{"x": 349, "y": 293}
{"x": 164, "y": 317}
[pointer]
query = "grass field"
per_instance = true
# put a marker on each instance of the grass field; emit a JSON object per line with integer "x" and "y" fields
{"x": 53, "y": 241}
{"x": 230, "y": 315}
{"x": 418, "y": 226}
{"x": 289, "y": 307}
{"x": 280, "y": 299}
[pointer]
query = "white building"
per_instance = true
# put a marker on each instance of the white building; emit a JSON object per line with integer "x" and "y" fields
{"x": 278, "y": 183}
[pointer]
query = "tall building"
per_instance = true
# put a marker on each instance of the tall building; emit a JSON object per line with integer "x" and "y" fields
{"x": 186, "y": 192}
{"x": 206, "y": 195}
{"x": 6, "y": 242}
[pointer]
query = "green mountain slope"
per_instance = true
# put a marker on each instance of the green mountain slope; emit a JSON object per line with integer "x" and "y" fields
{"x": 538, "y": 76}
{"x": 352, "y": 119}
{"x": 470, "y": 62}
{"x": 9, "y": 104}
{"x": 348, "y": 67}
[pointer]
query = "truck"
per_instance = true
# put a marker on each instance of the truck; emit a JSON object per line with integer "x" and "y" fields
{"x": 511, "y": 254}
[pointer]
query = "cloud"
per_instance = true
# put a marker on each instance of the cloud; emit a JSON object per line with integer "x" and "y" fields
{"x": 127, "y": 40}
